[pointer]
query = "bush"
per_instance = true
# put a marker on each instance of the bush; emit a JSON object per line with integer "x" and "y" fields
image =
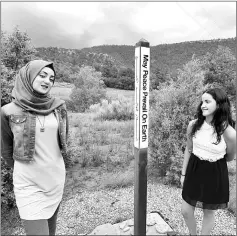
{"x": 121, "y": 109}
{"x": 124, "y": 82}
{"x": 7, "y": 80}
{"x": 84, "y": 98}
{"x": 173, "y": 106}
{"x": 7, "y": 194}
{"x": 88, "y": 90}
{"x": 70, "y": 105}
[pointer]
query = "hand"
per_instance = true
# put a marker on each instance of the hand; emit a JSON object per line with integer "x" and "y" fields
{"x": 182, "y": 180}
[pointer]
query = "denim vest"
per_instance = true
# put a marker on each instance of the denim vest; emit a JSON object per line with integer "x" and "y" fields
{"x": 18, "y": 132}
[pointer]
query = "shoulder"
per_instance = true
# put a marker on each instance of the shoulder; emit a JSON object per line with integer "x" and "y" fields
{"x": 10, "y": 108}
{"x": 229, "y": 134}
{"x": 191, "y": 123}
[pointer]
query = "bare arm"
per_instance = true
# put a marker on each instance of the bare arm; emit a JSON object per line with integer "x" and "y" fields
{"x": 230, "y": 139}
{"x": 188, "y": 149}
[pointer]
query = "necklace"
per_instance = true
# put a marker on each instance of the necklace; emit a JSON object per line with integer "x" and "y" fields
{"x": 42, "y": 126}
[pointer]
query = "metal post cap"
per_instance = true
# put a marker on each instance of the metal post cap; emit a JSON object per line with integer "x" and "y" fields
{"x": 143, "y": 43}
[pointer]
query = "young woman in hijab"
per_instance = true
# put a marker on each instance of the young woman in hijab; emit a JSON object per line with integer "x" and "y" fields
{"x": 34, "y": 128}
{"x": 211, "y": 142}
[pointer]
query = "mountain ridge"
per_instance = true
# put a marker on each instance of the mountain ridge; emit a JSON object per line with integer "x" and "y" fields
{"x": 169, "y": 56}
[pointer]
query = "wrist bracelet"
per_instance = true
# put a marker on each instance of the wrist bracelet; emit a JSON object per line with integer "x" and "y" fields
{"x": 182, "y": 175}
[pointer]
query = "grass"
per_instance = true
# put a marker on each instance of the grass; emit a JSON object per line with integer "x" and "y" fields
{"x": 95, "y": 143}
{"x": 103, "y": 156}
{"x": 114, "y": 93}
{"x": 63, "y": 91}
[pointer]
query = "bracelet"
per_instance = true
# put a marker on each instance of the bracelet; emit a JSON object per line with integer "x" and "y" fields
{"x": 182, "y": 175}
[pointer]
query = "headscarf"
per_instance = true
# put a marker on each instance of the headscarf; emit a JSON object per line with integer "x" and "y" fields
{"x": 24, "y": 95}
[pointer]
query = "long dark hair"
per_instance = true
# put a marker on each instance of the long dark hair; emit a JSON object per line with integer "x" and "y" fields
{"x": 222, "y": 116}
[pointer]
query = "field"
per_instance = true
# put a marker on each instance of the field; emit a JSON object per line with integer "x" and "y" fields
{"x": 115, "y": 137}
{"x": 103, "y": 156}
{"x": 64, "y": 92}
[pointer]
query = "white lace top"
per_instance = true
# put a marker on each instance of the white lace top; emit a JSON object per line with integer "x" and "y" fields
{"x": 203, "y": 144}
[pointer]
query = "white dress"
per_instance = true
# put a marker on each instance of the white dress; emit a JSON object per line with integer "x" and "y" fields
{"x": 38, "y": 185}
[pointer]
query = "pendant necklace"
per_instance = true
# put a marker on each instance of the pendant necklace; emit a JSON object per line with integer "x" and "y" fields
{"x": 42, "y": 128}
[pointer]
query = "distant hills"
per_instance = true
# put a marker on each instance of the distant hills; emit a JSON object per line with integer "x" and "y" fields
{"x": 169, "y": 56}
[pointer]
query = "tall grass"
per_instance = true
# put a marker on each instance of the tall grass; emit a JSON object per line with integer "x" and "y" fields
{"x": 95, "y": 143}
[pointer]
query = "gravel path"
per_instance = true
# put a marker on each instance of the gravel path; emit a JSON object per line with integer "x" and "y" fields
{"x": 86, "y": 210}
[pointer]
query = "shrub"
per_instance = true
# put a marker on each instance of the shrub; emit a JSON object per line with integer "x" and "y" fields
{"x": 124, "y": 82}
{"x": 7, "y": 80}
{"x": 70, "y": 105}
{"x": 173, "y": 106}
{"x": 7, "y": 194}
{"x": 88, "y": 90}
{"x": 120, "y": 109}
{"x": 84, "y": 98}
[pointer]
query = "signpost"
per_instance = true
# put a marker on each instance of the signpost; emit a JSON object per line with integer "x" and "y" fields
{"x": 141, "y": 109}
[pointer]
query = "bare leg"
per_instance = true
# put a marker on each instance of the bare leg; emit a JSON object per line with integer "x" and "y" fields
{"x": 52, "y": 223}
{"x": 208, "y": 221}
{"x": 36, "y": 227}
{"x": 188, "y": 215}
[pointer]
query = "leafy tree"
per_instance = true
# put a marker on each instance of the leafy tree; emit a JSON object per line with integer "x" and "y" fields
{"x": 7, "y": 76}
{"x": 17, "y": 49}
{"x": 158, "y": 76}
{"x": 220, "y": 69}
{"x": 172, "y": 107}
{"x": 114, "y": 72}
{"x": 89, "y": 89}
{"x": 126, "y": 72}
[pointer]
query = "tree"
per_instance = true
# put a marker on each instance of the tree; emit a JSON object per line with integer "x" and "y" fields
{"x": 89, "y": 89}
{"x": 7, "y": 76}
{"x": 126, "y": 72}
{"x": 220, "y": 68}
{"x": 17, "y": 49}
{"x": 173, "y": 106}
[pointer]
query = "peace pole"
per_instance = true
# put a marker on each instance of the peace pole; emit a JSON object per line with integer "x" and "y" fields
{"x": 141, "y": 108}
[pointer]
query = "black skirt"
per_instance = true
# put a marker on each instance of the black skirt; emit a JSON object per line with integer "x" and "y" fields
{"x": 206, "y": 184}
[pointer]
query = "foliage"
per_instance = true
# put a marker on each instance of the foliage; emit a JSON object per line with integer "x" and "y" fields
{"x": 126, "y": 83}
{"x": 166, "y": 56}
{"x": 172, "y": 107}
{"x": 17, "y": 49}
{"x": 120, "y": 109}
{"x": 7, "y": 194}
{"x": 70, "y": 105}
{"x": 220, "y": 69}
{"x": 7, "y": 80}
{"x": 88, "y": 89}
{"x": 159, "y": 76}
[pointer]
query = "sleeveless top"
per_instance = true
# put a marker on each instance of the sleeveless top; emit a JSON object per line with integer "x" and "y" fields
{"x": 204, "y": 146}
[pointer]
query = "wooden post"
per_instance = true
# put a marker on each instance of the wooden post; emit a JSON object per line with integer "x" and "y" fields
{"x": 142, "y": 75}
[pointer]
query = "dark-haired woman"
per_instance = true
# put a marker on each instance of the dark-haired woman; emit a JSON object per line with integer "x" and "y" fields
{"x": 34, "y": 129}
{"x": 211, "y": 142}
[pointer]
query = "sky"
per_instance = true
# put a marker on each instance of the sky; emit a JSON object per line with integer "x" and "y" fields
{"x": 78, "y": 25}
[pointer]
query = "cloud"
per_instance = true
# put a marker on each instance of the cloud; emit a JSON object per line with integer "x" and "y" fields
{"x": 219, "y": 15}
{"x": 86, "y": 24}
{"x": 44, "y": 30}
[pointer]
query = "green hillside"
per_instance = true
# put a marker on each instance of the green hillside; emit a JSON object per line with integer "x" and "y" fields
{"x": 170, "y": 56}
